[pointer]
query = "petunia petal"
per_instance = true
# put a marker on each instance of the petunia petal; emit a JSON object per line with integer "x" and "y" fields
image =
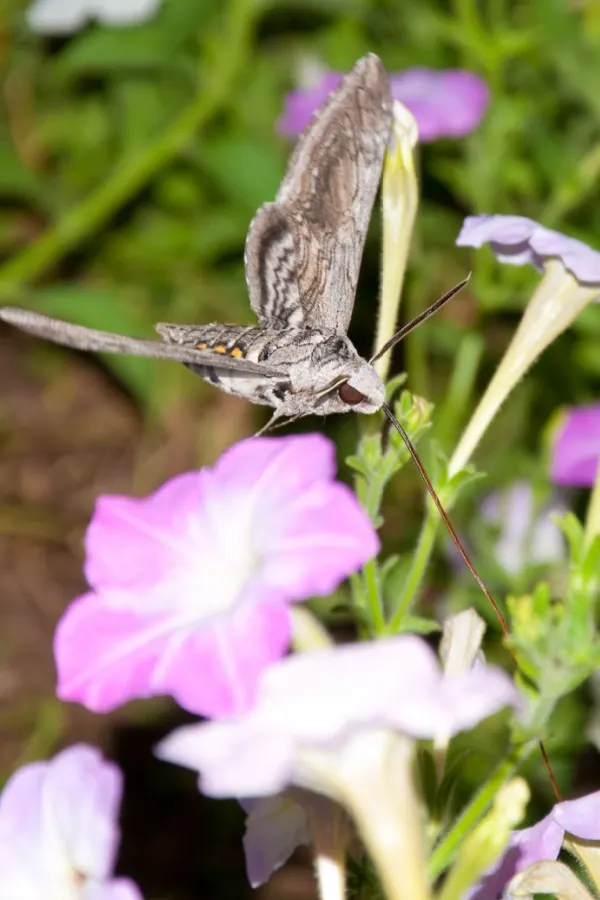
{"x": 275, "y": 471}
{"x": 84, "y": 793}
{"x": 192, "y": 584}
{"x": 275, "y": 827}
{"x": 445, "y": 103}
{"x": 300, "y": 105}
{"x": 57, "y": 16}
{"x": 530, "y": 845}
{"x": 61, "y": 17}
{"x": 107, "y": 656}
{"x": 518, "y": 240}
{"x": 527, "y": 536}
{"x": 313, "y": 544}
{"x": 576, "y": 449}
{"x": 154, "y": 529}
{"x": 580, "y": 817}
{"x": 124, "y": 12}
{"x": 321, "y": 699}
{"x": 58, "y": 822}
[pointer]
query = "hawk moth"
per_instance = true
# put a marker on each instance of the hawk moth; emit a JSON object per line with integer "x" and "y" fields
{"x": 302, "y": 260}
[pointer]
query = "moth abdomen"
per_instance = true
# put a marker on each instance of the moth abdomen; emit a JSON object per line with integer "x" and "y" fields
{"x": 235, "y": 341}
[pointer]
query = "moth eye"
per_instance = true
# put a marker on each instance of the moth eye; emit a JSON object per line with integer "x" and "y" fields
{"x": 350, "y": 395}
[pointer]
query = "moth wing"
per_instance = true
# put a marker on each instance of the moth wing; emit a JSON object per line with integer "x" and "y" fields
{"x": 303, "y": 252}
{"x": 271, "y": 266}
{"x": 329, "y": 191}
{"x": 82, "y": 338}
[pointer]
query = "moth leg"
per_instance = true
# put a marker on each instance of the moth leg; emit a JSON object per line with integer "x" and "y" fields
{"x": 271, "y": 426}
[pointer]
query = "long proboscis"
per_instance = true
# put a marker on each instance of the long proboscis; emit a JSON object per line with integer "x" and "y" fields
{"x": 91, "y": 340}
{"x": 444, "y": 516}
{"x": 467, "y": 560}
{"x": 414, "y": 323}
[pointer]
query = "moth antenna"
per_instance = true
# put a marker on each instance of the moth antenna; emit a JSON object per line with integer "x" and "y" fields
{"x": 410, "y": 326}
{"x": 465, "y": 556}
{"x": 444, "y": 516}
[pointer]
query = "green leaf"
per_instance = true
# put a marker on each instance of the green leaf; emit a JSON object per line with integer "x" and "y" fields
{"x": 152, "y": 45}
{"x": 419, "y": 625}
{"x": 16, "y": 181}
{"x": 247, "y": 171}
{"x": 357, "y": 464}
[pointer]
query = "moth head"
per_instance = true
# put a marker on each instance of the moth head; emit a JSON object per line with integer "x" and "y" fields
{"x": 340, "y": 377}
{"x": 364, "y": 391}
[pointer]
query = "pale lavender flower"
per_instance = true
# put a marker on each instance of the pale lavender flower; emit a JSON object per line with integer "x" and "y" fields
{"x": 576, "y": 448}
{"x": 445, "y": 102}
{"x": 59, "y": 832}
{"x": 275, "y": 827}
{"x": 571, "y": 281}
{"x": 67, "y": 16}
{"x": 517, "y": 241}
{"x": 191, "y": 586}
{"x": 527, "y": 535}
{"x": 302, "y": 103}
{"x": 543, "y": 841}
{"x": 320, "y": 701}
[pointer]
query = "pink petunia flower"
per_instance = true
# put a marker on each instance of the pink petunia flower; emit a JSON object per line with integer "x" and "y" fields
{"x": 321, "y": 701}
{"x": 576, "y": 448}
{"x": 543, "y": 841}
{"x": 191, "y": 585}
{"x": 59, "y": 831}
{"x": 445, "y": 102}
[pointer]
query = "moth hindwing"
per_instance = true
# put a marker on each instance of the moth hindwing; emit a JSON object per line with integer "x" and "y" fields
{"x": 302, "y": 259}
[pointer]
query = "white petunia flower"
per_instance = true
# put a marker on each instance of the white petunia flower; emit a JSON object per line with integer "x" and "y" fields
{"x": 67, "y": 16}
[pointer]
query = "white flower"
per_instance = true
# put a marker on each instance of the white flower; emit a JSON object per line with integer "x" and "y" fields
{"x": 66, "y": 16}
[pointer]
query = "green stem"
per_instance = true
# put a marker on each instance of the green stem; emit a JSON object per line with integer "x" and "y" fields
{"x": 592, "y": 520}
{"x": 417, "y": 571}
{"x": 416, "y": 352}
{"x": 457, "y": 398}
{"x": 374, "y": 597}
{"x": 446, "y": 851}
{"x": 135, "y": 172}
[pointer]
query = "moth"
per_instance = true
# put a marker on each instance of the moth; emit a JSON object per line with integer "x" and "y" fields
{"x": 302, "y": 260}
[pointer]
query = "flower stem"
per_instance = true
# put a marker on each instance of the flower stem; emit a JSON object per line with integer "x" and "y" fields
{"x": 592, "y": 519}
{"x": 308, "y": 634}
{"x": 417, "y": 571}
{"x": 446, "y": 851}
{"x": 399, "y": 200}
{"x": 373, "y": 593}
{"x": 555, "y": 304}
{"x": 134, "y": 172}
{"x": 330, "y": 831}
{"x": 379, "y": 791}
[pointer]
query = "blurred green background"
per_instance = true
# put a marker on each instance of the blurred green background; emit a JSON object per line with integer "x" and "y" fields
{"x": 131, "y": 163}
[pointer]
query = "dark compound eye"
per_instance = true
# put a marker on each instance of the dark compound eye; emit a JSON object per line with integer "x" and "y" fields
{"x": 350, "y": 395}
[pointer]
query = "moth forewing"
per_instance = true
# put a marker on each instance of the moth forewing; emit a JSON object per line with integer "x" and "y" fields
{"x": 89, "y": 339}
{"x": 324, "y": 203}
